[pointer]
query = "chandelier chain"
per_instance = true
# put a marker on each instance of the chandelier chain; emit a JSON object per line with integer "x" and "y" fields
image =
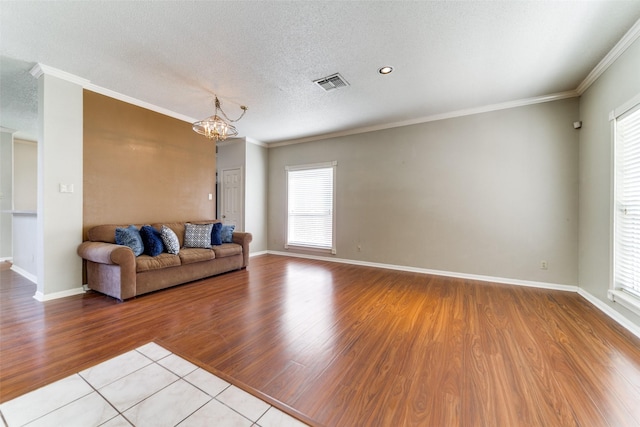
{"x": 244, "y": 109}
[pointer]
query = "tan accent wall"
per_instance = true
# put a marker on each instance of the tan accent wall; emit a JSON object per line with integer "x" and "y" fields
{"x": 143, "y": 167}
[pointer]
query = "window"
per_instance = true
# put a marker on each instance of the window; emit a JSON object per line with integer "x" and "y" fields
{"x": 310, "y": 206}
{"x": 626, "y": 280}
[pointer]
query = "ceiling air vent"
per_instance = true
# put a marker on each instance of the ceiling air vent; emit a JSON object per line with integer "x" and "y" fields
{"x": 334, "y": 81}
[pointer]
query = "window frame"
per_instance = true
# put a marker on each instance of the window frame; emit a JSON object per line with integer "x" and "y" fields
{"x": 616, "y": 293}
{"x": 323, "y": 165}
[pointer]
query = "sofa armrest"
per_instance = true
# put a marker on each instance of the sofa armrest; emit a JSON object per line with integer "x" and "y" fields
{"x": 107, "y": 253}
{"x": 243, "y": 239}
{"x": 111, "y": 268}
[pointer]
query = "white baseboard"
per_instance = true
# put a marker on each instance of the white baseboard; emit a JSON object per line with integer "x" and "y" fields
{"x": 517, "y": 282}
{"x": 48, "y": 297}
{"x": 252, "y": 254}
{"x": 625, "y": 299}
{"x": 7, "y": 258}
{"x": 615, "y": 315}
{"x": 39, "y": 295}
{"x": 24, "y": 274}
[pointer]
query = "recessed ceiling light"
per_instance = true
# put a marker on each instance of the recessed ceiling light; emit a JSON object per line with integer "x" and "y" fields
{"x": 385, "y": 70}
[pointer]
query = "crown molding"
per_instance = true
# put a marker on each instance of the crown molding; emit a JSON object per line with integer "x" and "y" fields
{"x": 230, "y": 141}
{"x": 435, "y": 117}
{"x": 7, "y": 130}
{"x": 131, "y": 100}
{"x": 256, "y": 142}
{"x": 41, "y": 69}
{"x": 620, "y": 47}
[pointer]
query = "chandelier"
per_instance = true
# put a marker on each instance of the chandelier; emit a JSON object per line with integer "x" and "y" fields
{"x": 217, "y": 128}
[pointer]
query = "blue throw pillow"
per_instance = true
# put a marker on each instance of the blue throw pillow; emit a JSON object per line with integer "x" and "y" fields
{"x": 227, "y": 233}
{"x": 151, "y": 240}
{"x": 130, "y": 236}
{"x": 216, "y": 234}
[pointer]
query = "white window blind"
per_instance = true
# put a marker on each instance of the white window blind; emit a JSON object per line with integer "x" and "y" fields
{"x": 627, "y": 203}
{"x": 310, "y": 206}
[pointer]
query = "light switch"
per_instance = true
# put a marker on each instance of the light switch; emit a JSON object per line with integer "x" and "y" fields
{"x": 66, "y": 188}
{"x": 210, "y": 196}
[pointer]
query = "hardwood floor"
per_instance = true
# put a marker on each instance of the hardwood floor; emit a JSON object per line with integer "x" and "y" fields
{"x": 342, "y": 345}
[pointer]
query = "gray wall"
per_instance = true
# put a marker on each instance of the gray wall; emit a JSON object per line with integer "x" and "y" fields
{"x": 618, "y": 84}
{"x": 6, "y": 194}
{"x": 489, "y": 194}
{"x": 59, "y": 231}
{"x": 256, "y": 195}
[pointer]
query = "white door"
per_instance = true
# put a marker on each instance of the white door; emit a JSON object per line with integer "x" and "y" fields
{"x": 231, "y": 206}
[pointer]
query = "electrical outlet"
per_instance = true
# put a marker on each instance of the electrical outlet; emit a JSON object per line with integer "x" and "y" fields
{"x": 359, "y": 248}
{"x": 544, "y": 265}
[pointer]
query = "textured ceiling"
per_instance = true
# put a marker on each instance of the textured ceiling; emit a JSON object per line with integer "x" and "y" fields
{"x": 447, "y": 56}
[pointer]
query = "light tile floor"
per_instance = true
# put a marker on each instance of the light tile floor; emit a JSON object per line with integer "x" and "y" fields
{"x": 149, "y": 386}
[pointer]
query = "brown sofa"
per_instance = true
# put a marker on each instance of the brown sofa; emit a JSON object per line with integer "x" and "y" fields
{"x": 114, "y": 270}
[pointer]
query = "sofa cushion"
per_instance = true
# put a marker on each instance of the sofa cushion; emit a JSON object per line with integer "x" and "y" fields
{"x": 216, "y": 234}
{"x": 152, "y": 240}
{"x": 191, "y": 255}
{"x": 130, "y": 236}
{"x": 146, "y": 262}
{"x": 227, "y": 249}
{"x": 227, "y": 233}
{"x": 170, "y": 240}
{"x": 197, "y": 235}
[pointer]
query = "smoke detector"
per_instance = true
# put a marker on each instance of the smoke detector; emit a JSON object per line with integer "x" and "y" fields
{"x": 329, "y": 83}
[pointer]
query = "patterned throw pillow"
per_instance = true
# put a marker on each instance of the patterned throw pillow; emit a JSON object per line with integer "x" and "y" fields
{"x": 216, "y": 234}
{"x": 130, "y": 236}
{"x": 170, "y": 240}
{"x": 197, "y": 235}
{"x": 227, "y": 233}
{"x": 152, "y": 240}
